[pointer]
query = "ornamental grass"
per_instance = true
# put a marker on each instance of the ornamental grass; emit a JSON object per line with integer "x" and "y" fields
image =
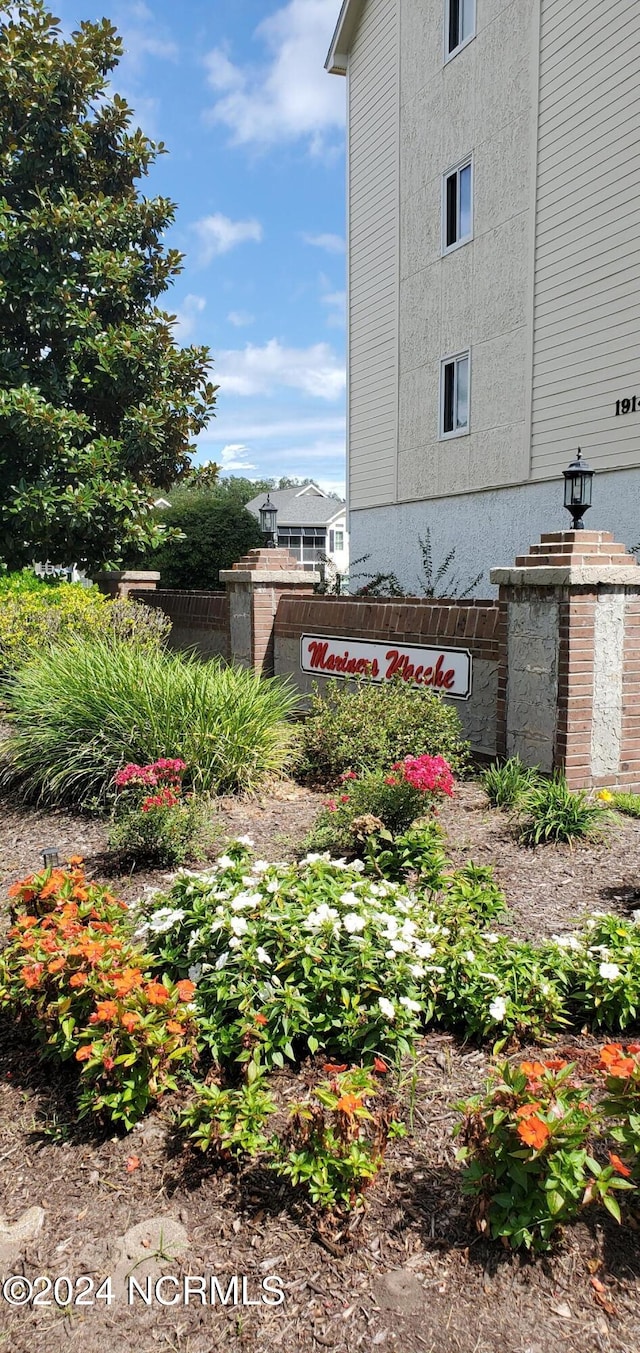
{"x": 85, "y": 709}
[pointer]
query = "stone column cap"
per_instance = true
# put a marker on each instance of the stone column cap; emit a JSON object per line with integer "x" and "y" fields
{"x": 126, "y": 575}
{"x": 283, "y": 577}
{"x": 571, "y": 558}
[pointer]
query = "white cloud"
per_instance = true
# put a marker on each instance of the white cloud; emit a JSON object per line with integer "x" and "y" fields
{"x": 290, "y": 96}
{"x": 258, "y": 371}
{"x": 240, "y": 318}
{"x": 278, "y": 430}
{"x": 218, "y": 234}
{"x": 187, "y": 316}
{"x": 234, "y": 457}
{"x": 332, "y": 244}
{"x": 336, "y": 302}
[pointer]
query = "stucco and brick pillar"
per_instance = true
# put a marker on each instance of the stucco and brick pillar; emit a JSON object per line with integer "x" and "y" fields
{"x": 255, "y": 585}
{"x": 571, "y": 671}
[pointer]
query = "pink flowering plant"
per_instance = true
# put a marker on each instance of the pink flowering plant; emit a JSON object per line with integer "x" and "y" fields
{"x": 381, "y": 804}
{"x": 153, "y": 822}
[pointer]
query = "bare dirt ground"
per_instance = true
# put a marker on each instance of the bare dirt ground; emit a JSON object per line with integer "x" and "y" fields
{"x": 413, "y": 1274}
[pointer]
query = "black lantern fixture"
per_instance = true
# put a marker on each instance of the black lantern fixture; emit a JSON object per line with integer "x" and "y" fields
{"x": 268, "y": 523}
{"x": 578, "y": 485}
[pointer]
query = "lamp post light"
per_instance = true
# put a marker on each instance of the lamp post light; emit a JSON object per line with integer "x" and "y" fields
{"x": 51, "y": 857}
{"x": 578, "y": 485}
{"x": 269, "y": 523}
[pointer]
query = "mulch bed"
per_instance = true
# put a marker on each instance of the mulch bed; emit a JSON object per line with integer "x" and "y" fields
{"x": 412, "y": 1274}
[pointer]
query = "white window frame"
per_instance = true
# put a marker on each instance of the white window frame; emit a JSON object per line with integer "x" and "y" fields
{"x": 449, "y": 55}
{"x": 446, "y": 361}
{"x": 456, "y": 169}
{"x": 335, "y": 531}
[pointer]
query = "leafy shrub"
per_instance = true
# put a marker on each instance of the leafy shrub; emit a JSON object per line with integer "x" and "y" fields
{"x": 372, "y": 726}
{"x": 230, "y": 1122}
{"x": 216, "y": 532}
{"x": 377, "y": 802}
{"x": 152, "y": 822}
{"x": 553, "y": 812}
{"x": 417, "y": 851}
{"x": 87, "y": 708}
{"x": 625, "y": 803}
{"x": 336, "y": 1138}
{"x": 291, "y": 959}
{"x": 35, "y": 614}
{"x": 526, "y": 1153}
{"x": 71, "y": 969}
{"x": 506, "y": 783}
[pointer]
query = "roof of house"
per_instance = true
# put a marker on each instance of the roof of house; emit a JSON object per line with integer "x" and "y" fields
{"x": 336, "y": 62}
{"x": 306, "y": 506}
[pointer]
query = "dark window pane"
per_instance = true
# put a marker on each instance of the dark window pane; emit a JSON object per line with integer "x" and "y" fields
{"x": 449, "y": 381}
{"x": 454, "y": 24}
{"x": 452, "y": 209}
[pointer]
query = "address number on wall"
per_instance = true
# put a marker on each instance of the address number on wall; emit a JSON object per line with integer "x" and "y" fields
{"x": 627, "y": 406}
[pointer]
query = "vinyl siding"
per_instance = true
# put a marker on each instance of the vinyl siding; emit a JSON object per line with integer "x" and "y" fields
{"x": 587, "y": 274}
{"x": 373, "y": 256}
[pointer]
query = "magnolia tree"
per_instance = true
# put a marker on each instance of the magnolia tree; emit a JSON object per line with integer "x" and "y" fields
{"x": 97, "y": 402}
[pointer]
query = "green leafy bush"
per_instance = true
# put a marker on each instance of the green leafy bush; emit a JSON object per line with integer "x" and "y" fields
{"x": 88, "y": 707}
{"x": 371, "y": 726}
{"x": 525, "y": 1145}
{"x": 230, "y": 1122}
{"x": 379, "y": 802}
{"x": 417, "y": 851}
{"x": 35, "y": 614}
{"x": 553, "y": 812}
{"x": 216, "y": 532}
{"x": 506, "y": 783}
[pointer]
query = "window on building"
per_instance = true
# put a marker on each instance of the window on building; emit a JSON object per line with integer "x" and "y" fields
{"x": 460, "y": 17}
{"x": 454, "y": 395}
{"x": 336, "y": 541}
{"x": 457, "y": 210}
{"x": 306, "y": 543}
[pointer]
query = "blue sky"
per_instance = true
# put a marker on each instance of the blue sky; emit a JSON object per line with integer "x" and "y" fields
{"x": 255, "y": 132}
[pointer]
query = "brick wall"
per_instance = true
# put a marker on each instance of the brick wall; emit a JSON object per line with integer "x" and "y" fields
{"x": 477, "y": 626}
{"x": 199, "y": 620}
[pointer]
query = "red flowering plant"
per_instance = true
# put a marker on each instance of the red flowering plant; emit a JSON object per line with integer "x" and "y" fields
{"x": 71, "y": 969}
{"x": 380, "y": 804}
{"x": 153, "y": 822}
{"x": 526, "y": 1150}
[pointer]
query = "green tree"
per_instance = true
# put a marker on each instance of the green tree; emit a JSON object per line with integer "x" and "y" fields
{"x": 97, "y": 403}
{"x": 215, "y": 531}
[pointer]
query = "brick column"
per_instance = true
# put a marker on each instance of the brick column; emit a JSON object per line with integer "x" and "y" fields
{"x": 255, "y": 585}
{"x": 572, "y": 659}
{"x": 120, "y": 582}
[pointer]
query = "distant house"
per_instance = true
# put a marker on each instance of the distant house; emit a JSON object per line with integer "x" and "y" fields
{"x": 310, "y": 525}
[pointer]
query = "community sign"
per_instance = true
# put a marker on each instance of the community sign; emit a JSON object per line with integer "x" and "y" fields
{"x": 447, "y": 670}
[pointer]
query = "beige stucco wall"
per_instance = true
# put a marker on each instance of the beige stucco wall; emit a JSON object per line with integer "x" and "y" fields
{"x": 483, "y": 101}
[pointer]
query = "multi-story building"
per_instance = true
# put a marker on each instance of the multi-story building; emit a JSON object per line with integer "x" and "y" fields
{"x": 493, "y": 271}
{"x": 311, "y": 524}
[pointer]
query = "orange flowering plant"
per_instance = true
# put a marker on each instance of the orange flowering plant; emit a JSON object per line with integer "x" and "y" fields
{"x": 336, "y": 1139}
{"x": 620, "y": 1066}
{"x": 526, "y": 1150}
{"x": 71, "y": 969}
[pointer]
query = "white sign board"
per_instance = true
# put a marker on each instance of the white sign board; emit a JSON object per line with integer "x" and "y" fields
{"x": 447, "y": 670}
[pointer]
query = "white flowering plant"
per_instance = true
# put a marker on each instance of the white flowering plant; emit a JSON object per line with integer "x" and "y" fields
{"x": 295, "y": 958}
{"x": 598, "y": 971}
